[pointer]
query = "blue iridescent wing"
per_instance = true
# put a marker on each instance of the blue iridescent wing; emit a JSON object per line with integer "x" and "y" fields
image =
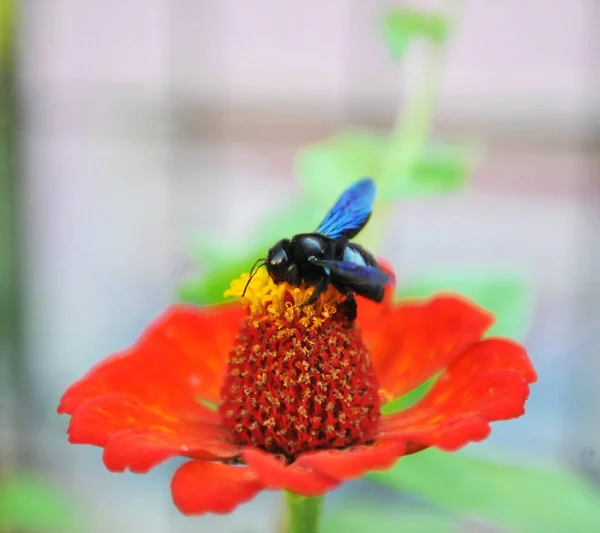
{"x": 354, "y": 274}
{"x": 351, "y": 212}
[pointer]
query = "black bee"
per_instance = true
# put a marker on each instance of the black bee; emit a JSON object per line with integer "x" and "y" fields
{"x": 327, "y": 257}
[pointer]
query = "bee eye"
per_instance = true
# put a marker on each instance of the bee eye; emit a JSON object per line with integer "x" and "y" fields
{"x": 278, "y": 258}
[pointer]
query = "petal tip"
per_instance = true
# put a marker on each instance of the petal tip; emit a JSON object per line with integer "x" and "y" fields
{"x": 201, "y": 487}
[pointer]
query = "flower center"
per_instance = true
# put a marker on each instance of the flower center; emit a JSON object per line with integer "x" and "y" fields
{"x": 299, "y": 378}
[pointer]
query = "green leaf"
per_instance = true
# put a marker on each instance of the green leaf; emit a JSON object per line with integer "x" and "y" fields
{"x": 28, "y": 503}
{"x": 409, "y": 399}
{"x": 297, "y": 217}
{"x": 357, "y": 517}
{"x": 402, "y": 26}
{"x": 505, "y": 294}
{"x": 214, "y": 280}
{"x": 438, "y": 169}
{"x": 526, "y": 500}
{"x": 327, "y": 168}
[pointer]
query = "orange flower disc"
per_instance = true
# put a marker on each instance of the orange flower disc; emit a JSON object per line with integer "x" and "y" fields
{"x": 299, "y": 381}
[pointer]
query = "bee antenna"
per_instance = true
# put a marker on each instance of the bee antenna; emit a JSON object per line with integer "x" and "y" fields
{"x": 259, "y": 260}
{"x": 253, "y": 271}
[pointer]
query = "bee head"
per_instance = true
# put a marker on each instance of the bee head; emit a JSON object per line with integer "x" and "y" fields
{"x": 278, "y": 261}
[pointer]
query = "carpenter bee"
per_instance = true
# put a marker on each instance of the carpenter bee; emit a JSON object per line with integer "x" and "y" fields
{"x": 327, "y": 257}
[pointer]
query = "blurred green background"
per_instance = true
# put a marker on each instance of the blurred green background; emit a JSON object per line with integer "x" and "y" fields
{"x": 152, "y": 150}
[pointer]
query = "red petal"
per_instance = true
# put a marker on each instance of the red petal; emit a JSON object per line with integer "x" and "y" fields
{"x": 495, "y": 354}
{"x": 488, "y": 382}
{"x": 274, "y": 474}
{"x": 354, "y": 462}
{"x": 416, "y": 340}
{"x": 180, "y": 358}
{"x": 140, "y": 451}
{"x": 200, "y": 487}
{"x": 138, "y": 439}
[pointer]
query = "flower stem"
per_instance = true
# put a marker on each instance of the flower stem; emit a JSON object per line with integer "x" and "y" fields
{"x": 303, "y": 514}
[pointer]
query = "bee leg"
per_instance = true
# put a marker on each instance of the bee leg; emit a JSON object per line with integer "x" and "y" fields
{"x": 349, "y": 303}
{"x": 320, "y": 287}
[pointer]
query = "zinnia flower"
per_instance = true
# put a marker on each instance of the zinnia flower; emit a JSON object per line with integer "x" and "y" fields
{"x": 268, "y": 394}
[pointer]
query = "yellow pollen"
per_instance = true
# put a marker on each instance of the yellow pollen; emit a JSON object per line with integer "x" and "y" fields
{"x": 282, "y": 301}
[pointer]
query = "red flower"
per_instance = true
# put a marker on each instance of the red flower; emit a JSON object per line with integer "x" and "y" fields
{"x": 298, "y": 392}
